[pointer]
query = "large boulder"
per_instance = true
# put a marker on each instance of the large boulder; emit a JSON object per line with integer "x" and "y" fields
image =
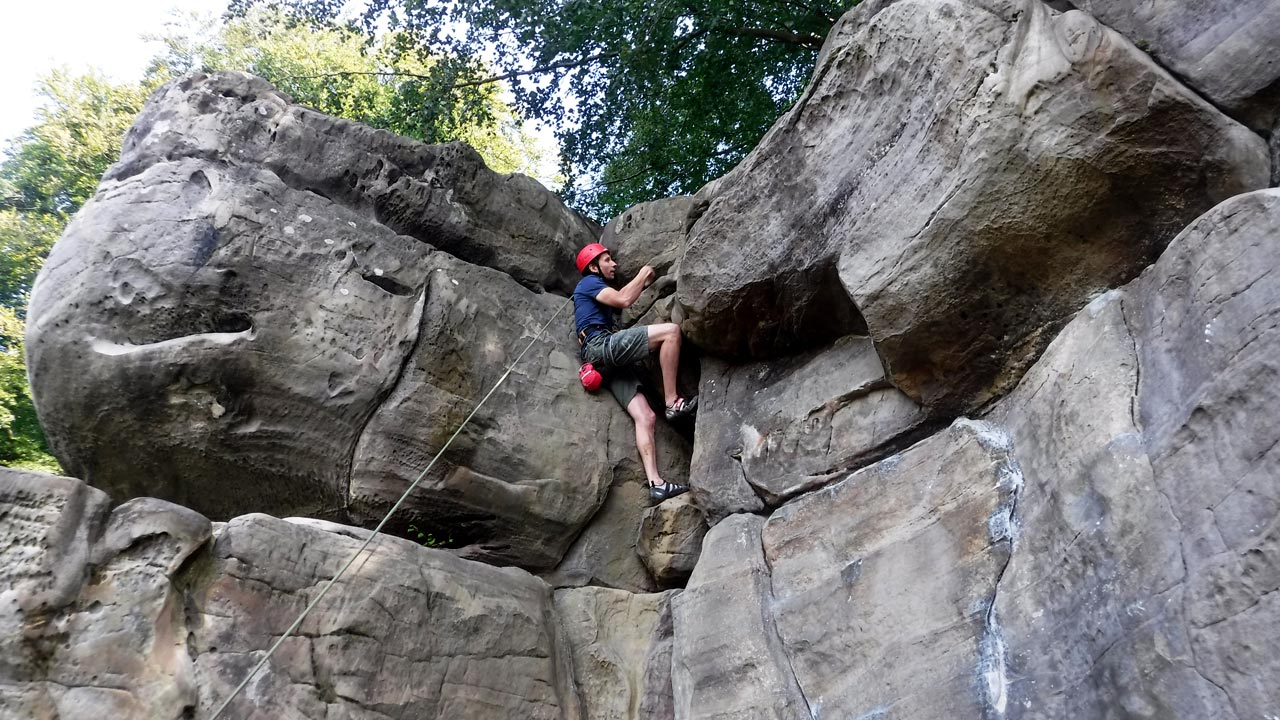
{"x": 531, "y": 467}
{"x": 888, "y": 577}
{"x": 232, "y": 325}
{"x": 670, "y": 540}
{"x": 727, "y": 660}
{"x": 1224, "y": 49}
{"x": 959, "y": 184}
{"x": 442, "y": 195}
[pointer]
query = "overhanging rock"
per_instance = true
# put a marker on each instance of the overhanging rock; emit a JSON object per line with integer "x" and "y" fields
{"x": 961, "y": 184}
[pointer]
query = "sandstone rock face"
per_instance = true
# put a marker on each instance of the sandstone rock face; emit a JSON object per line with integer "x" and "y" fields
{"x": 727, "y": 661}
{"x": 91, "y": 623}
{"x": 138, "y": 613}
{"x": 621, "y": 649}
{"x": 1102, "y": 542}
{"x": 407, "y": 633}
{"x": 959, "y": 184}
{"x": 249, "y": 317}
{"x": 1224, "y": 49}
{"x": 670, "y": 539}
{"x": 1147, "y": 438}
{"x": 530, "y": 468}
{"x": 769, "y": 431}
{"x": 899, "y": 560}
{"x": 1193, "y": 449}
{"x": 442, "y": 195}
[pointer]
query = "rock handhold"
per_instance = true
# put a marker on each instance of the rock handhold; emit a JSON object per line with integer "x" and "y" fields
{"x": 959, "y": 184}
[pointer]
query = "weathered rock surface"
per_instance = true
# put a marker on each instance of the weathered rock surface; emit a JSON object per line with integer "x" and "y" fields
{"x": 960, "y": 184}
{"x": 1103, "y": 541}
{"x": 231, "y": 325}
{"x": 888, "y": 577}
{"x": 670, "y": 539}
{"x": 407, "y": 633}
{"x": 1149, "y": 523}
{"x": 139, "y": 613}
{"x": 89, "y": 621}
{"x": 769, "y": 431}
{"x": 531, "y": 468}
{"x": 609, "y": 552}
{"x": 442, "y": 195}
{"x": 1224, "y": 49}
{"x": 727, "y": 661}
{"x": 620, "y": 644}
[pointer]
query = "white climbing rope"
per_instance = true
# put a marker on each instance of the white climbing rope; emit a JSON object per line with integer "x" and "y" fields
{"x": 323, "y": 591}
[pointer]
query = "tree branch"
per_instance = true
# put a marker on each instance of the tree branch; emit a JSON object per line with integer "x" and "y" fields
{"x": 470, "y": 83}
{"x": 562, "y": 65}
{"x": 786, "y": 36}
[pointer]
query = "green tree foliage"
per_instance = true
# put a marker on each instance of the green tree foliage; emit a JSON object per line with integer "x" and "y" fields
{"x": 22, "y": 443}
{"x": 649, "y": 98}
{"x": 332, "y": 69}
{"x": 52, "y": 168}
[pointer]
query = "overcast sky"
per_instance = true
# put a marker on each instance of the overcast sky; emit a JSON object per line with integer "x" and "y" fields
{"x": 37, "y": 36}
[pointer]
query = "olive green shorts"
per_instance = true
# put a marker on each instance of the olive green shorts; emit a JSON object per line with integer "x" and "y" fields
{"x": 615, "y": 356}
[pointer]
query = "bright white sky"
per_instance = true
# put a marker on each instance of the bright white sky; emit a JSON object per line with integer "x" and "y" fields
{"x": 36, "y": 37}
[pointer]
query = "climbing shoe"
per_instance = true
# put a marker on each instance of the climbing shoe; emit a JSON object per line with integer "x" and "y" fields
{"x": 658, "y": 493}
{"x": 683, "y": 407}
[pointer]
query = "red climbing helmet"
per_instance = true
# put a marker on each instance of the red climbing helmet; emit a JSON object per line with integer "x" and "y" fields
{"x": 588, "y": 254}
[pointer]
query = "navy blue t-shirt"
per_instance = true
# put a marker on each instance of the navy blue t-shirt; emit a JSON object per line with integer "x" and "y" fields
{"x": 587, "y": 311}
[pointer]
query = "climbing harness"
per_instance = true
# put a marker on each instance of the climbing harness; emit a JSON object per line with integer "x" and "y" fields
{"x": 323, "y": 591}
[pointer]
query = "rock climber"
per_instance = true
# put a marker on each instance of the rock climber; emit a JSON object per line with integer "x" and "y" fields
{"x": 615, "y": 353}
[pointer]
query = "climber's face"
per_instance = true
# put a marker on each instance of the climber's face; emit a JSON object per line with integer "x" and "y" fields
{"x": 608, "y": 268}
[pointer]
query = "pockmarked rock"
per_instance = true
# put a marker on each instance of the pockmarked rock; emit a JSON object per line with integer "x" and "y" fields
{"x": 91, "y": 622}
{"x": 206, "y": 334}
{"x": 779, "y": 428}
{"x": 137, "y": 613}
{"x": 409, "y": 632}
{"x": 958, "y": 184}
{"x": 227, "y": 322}
{"x": 442, "y": 195}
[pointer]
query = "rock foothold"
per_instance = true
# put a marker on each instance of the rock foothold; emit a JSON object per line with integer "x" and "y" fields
{"x": 670, "y": 540}
{"x": 959, "y": 184}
